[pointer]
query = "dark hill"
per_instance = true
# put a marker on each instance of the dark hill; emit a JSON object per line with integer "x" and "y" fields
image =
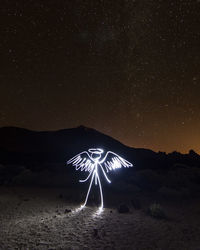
{"x": 22, "y": 146}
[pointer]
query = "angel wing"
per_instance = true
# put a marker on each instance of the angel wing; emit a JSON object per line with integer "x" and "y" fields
{"x": 82, "y": 161}
{"x": 112, "y": 161}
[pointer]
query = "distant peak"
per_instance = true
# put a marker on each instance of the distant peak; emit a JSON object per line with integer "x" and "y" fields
{"x": 82, "y": 127}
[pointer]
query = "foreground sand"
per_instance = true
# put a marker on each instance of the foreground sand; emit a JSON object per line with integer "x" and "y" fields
{"x": 33, "y": 218}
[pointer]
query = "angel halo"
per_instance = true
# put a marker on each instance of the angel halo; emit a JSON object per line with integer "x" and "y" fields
{"x": 93, "y": 162}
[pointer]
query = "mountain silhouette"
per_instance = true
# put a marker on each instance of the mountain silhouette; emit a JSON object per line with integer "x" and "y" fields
{"x": 27, "y": 147}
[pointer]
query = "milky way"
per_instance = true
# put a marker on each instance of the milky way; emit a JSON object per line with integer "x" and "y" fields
{"x": 129, "y": 69}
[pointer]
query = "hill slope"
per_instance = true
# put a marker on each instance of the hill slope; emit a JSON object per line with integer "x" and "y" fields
{"x": 22, "y": 146}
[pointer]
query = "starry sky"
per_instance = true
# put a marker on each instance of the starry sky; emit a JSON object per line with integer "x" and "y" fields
{"x": 128, "y": 68}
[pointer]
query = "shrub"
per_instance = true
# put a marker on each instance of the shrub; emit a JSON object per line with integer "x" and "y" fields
{"x": 156, "y": 211}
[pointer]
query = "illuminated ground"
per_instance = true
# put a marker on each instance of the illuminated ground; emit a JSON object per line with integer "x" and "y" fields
{"x": 36, "y": 219}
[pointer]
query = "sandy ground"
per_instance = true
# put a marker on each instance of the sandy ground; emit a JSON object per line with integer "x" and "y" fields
{"x": 33, "y": 218}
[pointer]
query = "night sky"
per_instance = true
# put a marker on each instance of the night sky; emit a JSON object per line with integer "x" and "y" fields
{"x": 130, "y": 69}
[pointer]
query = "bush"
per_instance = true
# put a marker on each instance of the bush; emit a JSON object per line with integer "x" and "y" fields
{"x": 156, "y": 211}
{"x": 123, "y": 208}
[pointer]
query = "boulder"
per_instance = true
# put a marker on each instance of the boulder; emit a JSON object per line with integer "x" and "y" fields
{"x": 123, "y": 208}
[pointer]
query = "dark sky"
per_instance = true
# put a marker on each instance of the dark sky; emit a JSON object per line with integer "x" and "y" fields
{"x": 130, "y": 69}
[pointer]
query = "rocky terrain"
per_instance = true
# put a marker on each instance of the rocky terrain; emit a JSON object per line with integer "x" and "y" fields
{"x": 44, "y": 218}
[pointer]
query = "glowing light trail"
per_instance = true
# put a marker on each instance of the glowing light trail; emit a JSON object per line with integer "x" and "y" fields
{"x": 91, "y": 162}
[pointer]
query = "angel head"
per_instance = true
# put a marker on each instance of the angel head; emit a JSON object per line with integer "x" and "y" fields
{"x": 95, "y": 153}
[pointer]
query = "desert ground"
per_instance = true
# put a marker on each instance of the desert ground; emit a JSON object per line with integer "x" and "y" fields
{"x": 46, "y": 218}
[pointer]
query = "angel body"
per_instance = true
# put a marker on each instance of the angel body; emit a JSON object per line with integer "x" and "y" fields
{"x": 92, "y": 161}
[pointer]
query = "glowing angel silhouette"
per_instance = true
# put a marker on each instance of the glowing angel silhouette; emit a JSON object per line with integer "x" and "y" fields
{"x": 93, "y": 162}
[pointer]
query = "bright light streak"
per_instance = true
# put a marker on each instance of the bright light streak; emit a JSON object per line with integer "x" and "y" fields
{"x": 76, "y": 210}
{"x": 98, "y": 212}
{"x": 92, "y": 162}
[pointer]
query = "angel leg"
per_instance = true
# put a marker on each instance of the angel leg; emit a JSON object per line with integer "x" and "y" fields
{"x": 89, "y": 189}
{"x": 100, "y": 188}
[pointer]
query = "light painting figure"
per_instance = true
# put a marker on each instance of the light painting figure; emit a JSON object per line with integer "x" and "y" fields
{"x": 93, "y": 162}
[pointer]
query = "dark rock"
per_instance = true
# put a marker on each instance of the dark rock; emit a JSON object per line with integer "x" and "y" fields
{"x": 58, "y": 212}
{"x": 123, "y": 208}
{"x": 26, "y": 199}
{"x": 95, "y": 232}
{"x": 67, "y": 211}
